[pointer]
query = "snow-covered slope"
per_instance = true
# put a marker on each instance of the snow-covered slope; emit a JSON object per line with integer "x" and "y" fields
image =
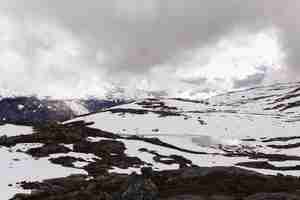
{"x": 256, "y": 129}
{"x": 17, "y": 167}
{"x": 252, "y": 113}
{"x": 260, "y": 121}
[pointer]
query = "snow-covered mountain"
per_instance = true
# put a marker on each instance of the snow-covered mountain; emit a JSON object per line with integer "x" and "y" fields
{"x": 255, "y": 129}
{"x": 252, "y": 113}
{"x": 32, "y": 109}
{"x": 255, "y": 126}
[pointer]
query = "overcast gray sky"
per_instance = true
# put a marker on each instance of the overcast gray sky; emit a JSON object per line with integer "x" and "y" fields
{"x": 78, "y": 47}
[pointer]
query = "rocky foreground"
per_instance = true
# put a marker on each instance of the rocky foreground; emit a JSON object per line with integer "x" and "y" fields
{"x": 189, "y": 182}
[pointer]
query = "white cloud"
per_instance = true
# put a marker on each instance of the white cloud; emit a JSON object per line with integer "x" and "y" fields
{"x": 67, "y": 48}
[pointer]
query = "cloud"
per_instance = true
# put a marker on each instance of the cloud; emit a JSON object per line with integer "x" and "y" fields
{"x": 45, "y": 59}
{"x": 137, "y": 35}
{"x": 254, "y": 79}
{"x": 85, "y": 45}
{"x": 196, "y": 81}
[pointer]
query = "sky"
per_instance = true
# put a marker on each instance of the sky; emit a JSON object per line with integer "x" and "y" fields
{"x": 195, "y": 48}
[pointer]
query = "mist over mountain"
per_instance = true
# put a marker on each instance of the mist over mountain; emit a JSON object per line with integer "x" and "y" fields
{"x": 67, "y": 49}
{"x": 149, "y": 99}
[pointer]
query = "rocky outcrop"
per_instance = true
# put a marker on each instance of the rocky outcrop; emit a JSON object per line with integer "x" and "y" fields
{"x": 48, "y": 149}
{"x": 140, "y": 187}
{"x": 192, "y": 183}
{"x": 273, "y": 196}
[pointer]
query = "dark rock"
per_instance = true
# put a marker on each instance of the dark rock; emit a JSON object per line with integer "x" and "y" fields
{"x": 48, "y": 149}
{"x": 66, "y": 161}
{"x": 169, "y": 160}
{"x": 186, "y": 197}
{"x": 157, "y": 141}
{"x": 273, "y": 196}
{"x": 281, "y": 139}
{"x": 259, "y": 155}
{"x": 161, "y": 113}
{"x": 139, "y": 188}
{"x": 192, "y": 183}
{"x": 147, "y": 172}
{"x": 97, "y": 168}
{"x": 103, "y": 147}
{"x": 266, "y": 165}
{"x": 111, "y": 153}
{"x": 287, "y": 146}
